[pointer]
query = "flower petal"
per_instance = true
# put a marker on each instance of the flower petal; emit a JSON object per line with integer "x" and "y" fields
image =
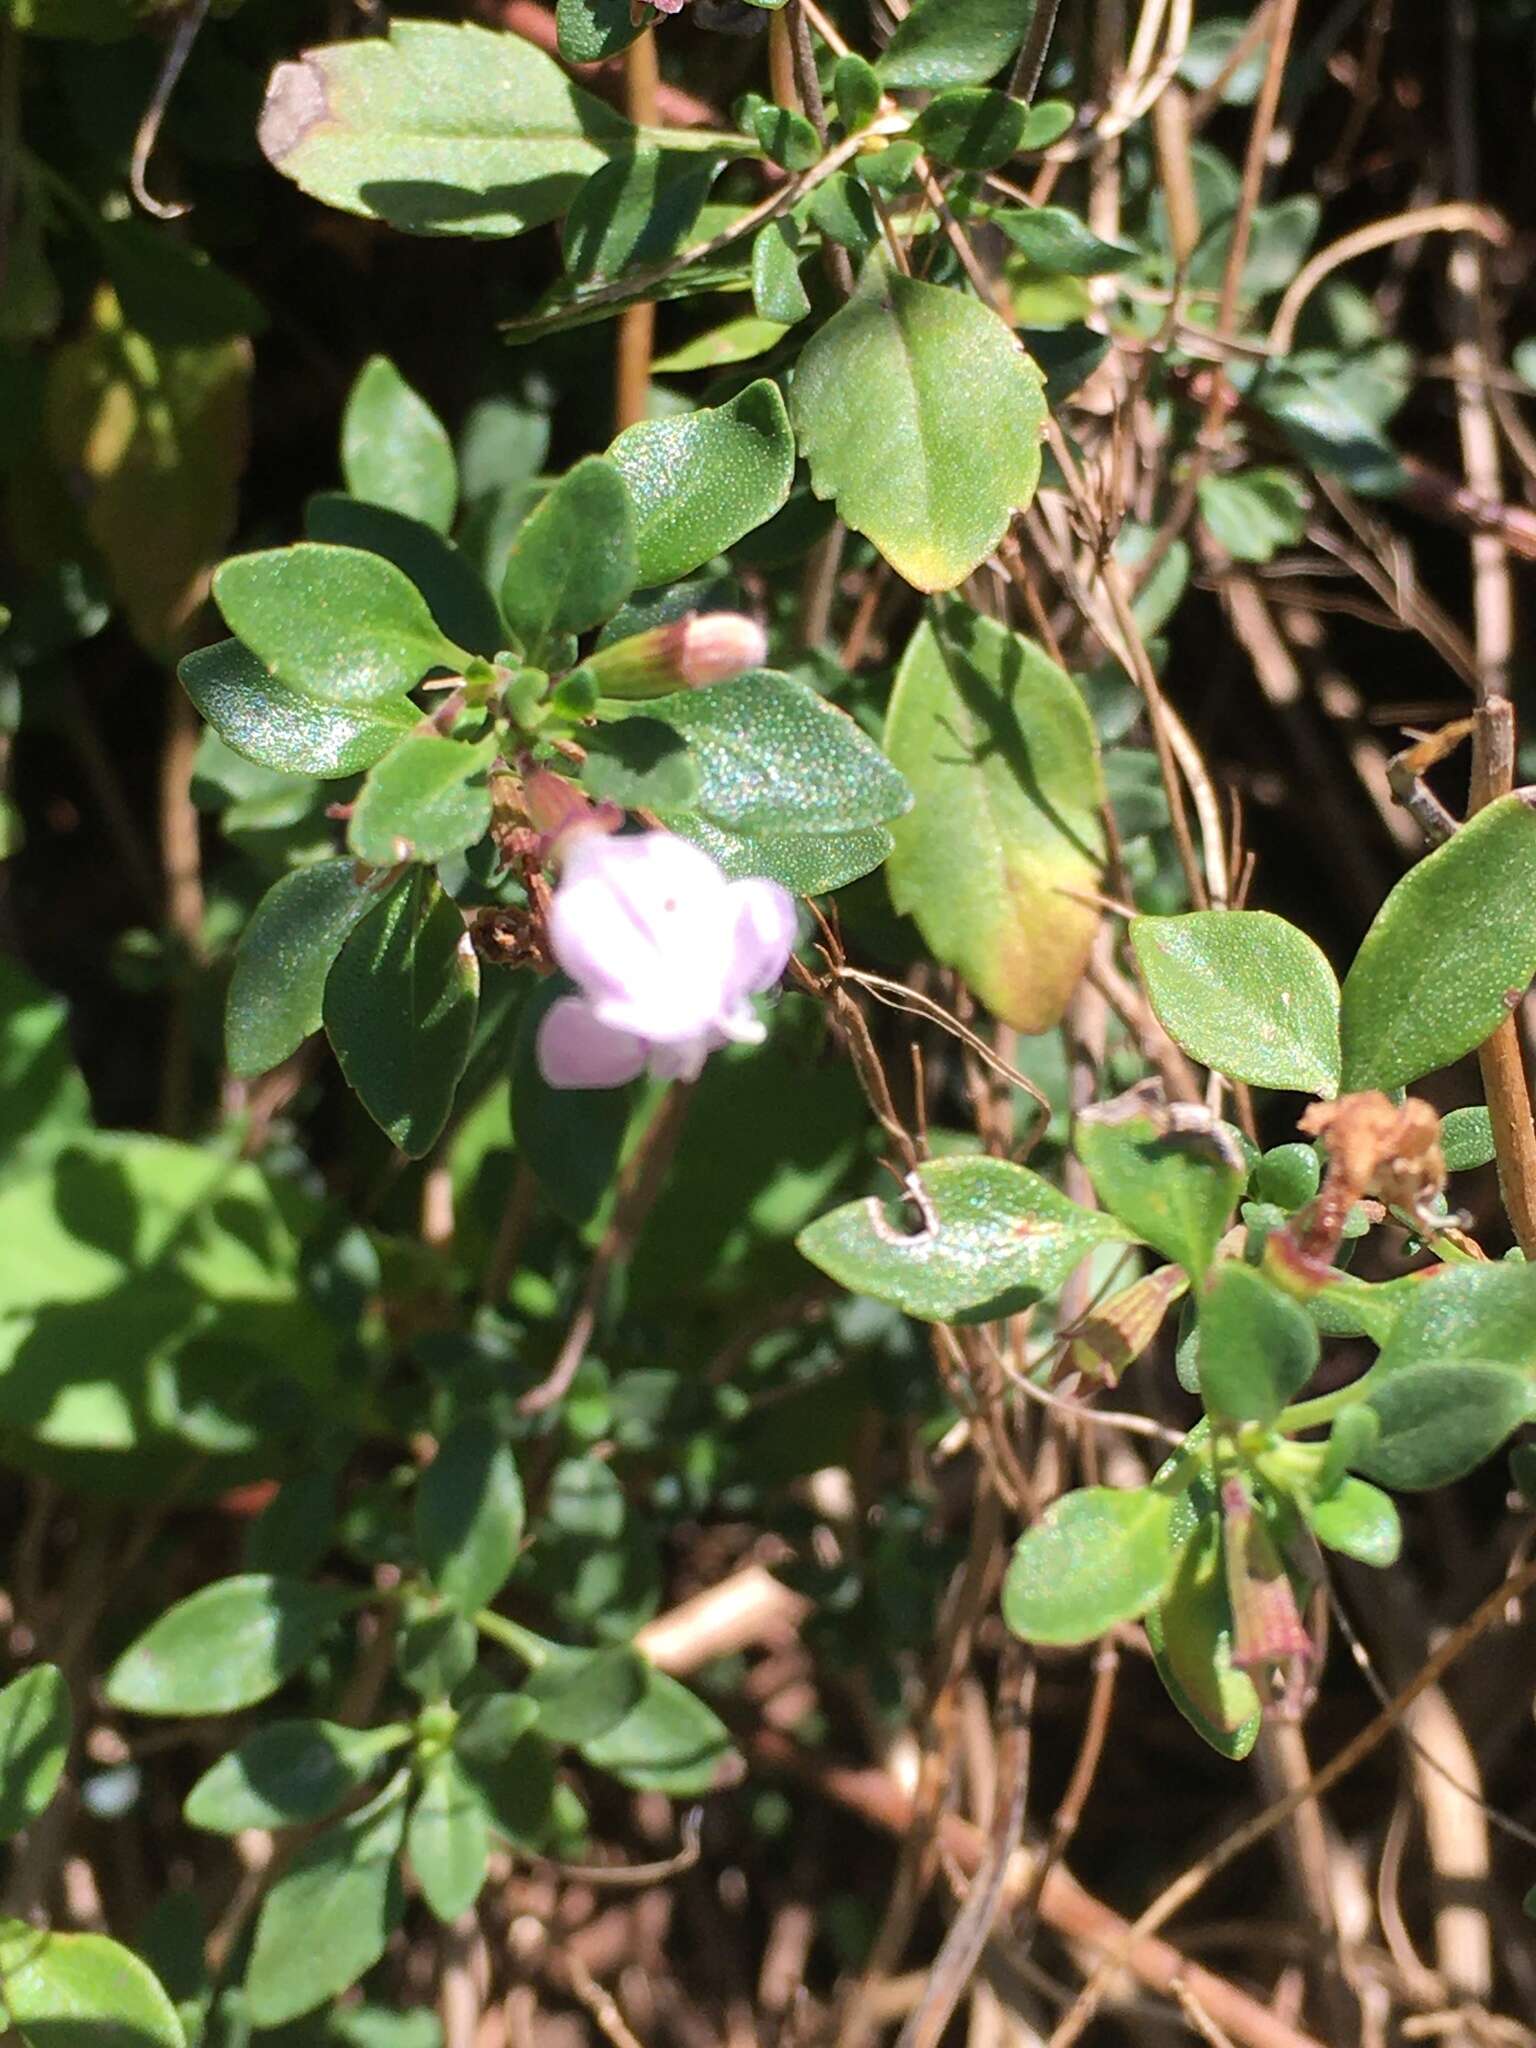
{"x": 576, "y": 1050}
{"x": 764, "y": 934}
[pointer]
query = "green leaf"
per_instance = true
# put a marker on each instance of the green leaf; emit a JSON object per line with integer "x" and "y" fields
{"x": 1174, "y": 1190}
{"x": 919, "y": 412}
{"x": 856, "y": 89}
{"x": 455, "y": 594}
{"x": 806, "y": 863}
{"x": 266, "y": 722}
{"x": 1053, "y": 240}
{"x": 636, "y": 211}
{"x": 703, "y": 479}
{"x": 1099, "y": 1556}
{"x": 1004, "y": 838}
{"x": 447, "y": 1840}
{"x": 1246, "y": 994}
{"x": 492, "y": 1725}
{"x": 582, "y": 1695}
{"x": 42, "y": 1095}
{"x": 35, "y": 1723}
{"x": 971, "y": 128}
{"x": 338, "y": 623}
{"x": 400, "y": 1008}
{"x": 569, "y": 1137}
{"x": 1466, "y": 1139}
{"x": 225, "y": 1646}
{"x": 778, "y": 291}
{"x": 1257, "y": 1348}
{"x": 277, "y": 989}
{"x": 574, "y": 561}
{"x": 774, "y": 757}
{"x": 1455, "y": 1376}
{"x": 328, "y": 1916}
{"x": 438, "y": 128}
{"x": 1191, "y": 1633}
{"x": 428, "y": 798}
{"x": 436, "y": 1651}
{"x": 955, "y": 42}
{"x": 1325, "y": 424}
{"x": 786, "y": 136}
{"x": 987, "y": 1238}
{"x": 286, "y": 1773}
{"x": 591, "y": 31}
{"x": 1451, "y": 951}
{"x": 735, "y": 341}
{"x": 395, "y": 451}
{"x": 1048, "y": 122}
{"x": 1359, "y": 1520}
{"x": 669, "y": 1741}
{"x": 1440, "y": 1421}
{"x": 640, "y": 763}
{"x": 151, "y": 1302}
{"x": 82, "y": 1991}
{"x": 469, "y": 1515}
{"x": 1255, "y": 513}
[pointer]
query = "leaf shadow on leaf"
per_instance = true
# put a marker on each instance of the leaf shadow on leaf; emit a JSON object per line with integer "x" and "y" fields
{"x": 427, "y": 206}
{"x": 995, "y": 717}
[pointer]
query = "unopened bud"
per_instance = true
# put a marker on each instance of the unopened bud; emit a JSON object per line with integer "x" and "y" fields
{"x": 1270, "y": 1640}
{"x": 705, "y": 647}
{"x": 558, "y": 811}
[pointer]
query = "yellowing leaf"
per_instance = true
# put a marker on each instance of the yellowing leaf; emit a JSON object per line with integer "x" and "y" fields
{"x": 1004, "y": 844}
{"x": 157, "y": 438}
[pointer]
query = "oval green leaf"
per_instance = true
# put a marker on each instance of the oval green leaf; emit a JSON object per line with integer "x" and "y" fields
{"x": 277, "y": 989}
{"x": 82, "y": 1991}
{"x": 985, "y": 1238}
{"x": 701, "y": 481}
{"x": 35, "y": 1721}
{"x": 341, "y": 624}
{"x": 1246, "y": 994}
{"x": 287, "y": 1773}
{"x": 427, "y": 798}
{"x": 1452, "y": 950}
{"x": 266, "y": 722}
{"x": 469, "y": 1515}
{"x": 1098, "y": 1557}
{"x": 395, "y": 451}
{"x": 225, "y": 1646}
{"x": 574, "y": 561}
{"x": 921, "y": 415}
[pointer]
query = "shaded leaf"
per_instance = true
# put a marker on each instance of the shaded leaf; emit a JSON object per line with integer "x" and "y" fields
{"x": 1174, "y": 1190}
{"x": 395, "y": 451}
{"x": 286, "y": 1773}
{"x": 955, "y": 42}
{"x": 469, "y": 1515}
{"x": 35, "y": 1721}
{"x": 277, "y": 990}
{"x": 225, "y": 1646}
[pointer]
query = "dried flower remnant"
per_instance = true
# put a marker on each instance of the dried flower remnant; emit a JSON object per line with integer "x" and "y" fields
{"x": 666, "y": 955}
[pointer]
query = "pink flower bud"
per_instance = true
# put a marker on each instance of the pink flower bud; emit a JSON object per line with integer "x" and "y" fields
{"x": 561, "y": 813}
{"x": 705, "y": 647}
{"x": 666, "y": 955}
{"x": 712, "y": 647}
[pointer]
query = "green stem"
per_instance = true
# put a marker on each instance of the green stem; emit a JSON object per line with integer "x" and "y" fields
{"x": 522, "y": 1642}
{"x": 703, "y": 141}
{"x": 1307, "y": 1414}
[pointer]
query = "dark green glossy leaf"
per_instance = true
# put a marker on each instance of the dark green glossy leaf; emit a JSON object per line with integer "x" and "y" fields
{"x": 955, "y": 42}
{"x": 469, "y": 1515}
{"x": 583, "y": 1695}
{"x": 702, "y": 480}
{"x": 328, "y": 1916}
{"x": 570, "y": 1137}
{"x": 1440, "y": 1421}
{"x": 400, "y": 1010}
{"x": 668, "y": 1742}
{"x": 774, "y": 757}
{"x": 591, "y": 31}
{"x": 1099, "y": 1556}
{"x": 1055, "y": 242}
{"x": 340, "y": 624}
{"x": 286, "y": 1773}
{"x": 640, "y": 763}
{"x": 971, "y": 128}
{"x": 1451, "y": 951}
{"x": 635, "y": 211}
{"x": 277, "y": 990}
{"x": 225, "y": 1646}
{"x": 280, "y": 728}
{"x": 574, "y": 560}
{"x": 455, "y": 595}
{"x": 807, "y": 863}
{"x": 427, "y": 798}
{"x": 986, "y": 1238}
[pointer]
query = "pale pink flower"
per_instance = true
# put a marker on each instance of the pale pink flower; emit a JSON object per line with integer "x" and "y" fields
{"x": 666, "y": 955}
